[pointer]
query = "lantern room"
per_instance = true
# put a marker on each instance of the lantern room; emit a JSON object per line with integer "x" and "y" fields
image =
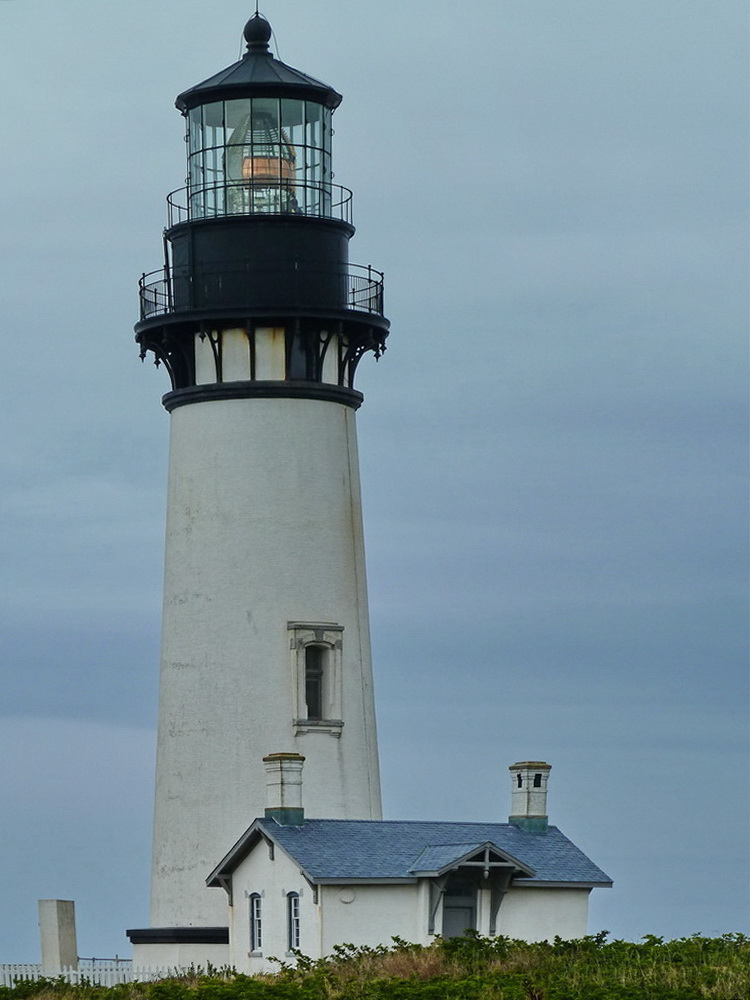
{"x": 259, "y": 139}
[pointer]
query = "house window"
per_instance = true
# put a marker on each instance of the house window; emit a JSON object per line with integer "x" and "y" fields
{"x": 292, "y": 920}
{"x": 314, "y": 675}
{"x": 256, "y": 923}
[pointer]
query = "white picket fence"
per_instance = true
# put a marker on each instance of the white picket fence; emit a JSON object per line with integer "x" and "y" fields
{"x": 99, "y": 973}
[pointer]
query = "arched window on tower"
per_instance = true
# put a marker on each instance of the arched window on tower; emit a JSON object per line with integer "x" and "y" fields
{"x": 315, "y": 657}
{"x": 317, "y": 675}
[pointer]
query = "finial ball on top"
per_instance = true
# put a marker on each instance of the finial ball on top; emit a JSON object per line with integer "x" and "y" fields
{"x": 257, "y": 32}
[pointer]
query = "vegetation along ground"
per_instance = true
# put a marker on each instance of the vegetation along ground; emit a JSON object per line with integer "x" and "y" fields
{"x": 466, "y": 968}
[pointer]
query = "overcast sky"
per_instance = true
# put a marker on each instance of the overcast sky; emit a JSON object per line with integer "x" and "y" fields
{"x": 553, "y": 448}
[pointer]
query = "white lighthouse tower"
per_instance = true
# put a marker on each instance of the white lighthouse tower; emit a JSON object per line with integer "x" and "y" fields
{"x": 260, "y": 321}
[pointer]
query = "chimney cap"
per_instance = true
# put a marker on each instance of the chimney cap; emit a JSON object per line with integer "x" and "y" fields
{"x": 283, "y": 756}
{"x": 538, "y": 764}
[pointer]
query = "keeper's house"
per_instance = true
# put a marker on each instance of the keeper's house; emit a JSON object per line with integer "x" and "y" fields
{"x": 309, "y": 884}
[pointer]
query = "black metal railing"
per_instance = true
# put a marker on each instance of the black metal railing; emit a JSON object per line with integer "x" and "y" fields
{"x": 257, "y": 289}
{"x": 231, "y": 198}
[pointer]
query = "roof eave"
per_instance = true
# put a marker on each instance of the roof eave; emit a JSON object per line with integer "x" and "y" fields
{"x": 237, "y": 853}
{"x": 541, "y": 884}
{"x": 347, "y": 880}
{"x": 232, "y": 91}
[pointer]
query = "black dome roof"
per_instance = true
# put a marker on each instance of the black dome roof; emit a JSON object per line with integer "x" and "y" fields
{"x": 258, "y": 74}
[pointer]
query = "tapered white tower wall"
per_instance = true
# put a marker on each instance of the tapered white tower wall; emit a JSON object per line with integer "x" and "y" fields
{"x": 264, "y": 530}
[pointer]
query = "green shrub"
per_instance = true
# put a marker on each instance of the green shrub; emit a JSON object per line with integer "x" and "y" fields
{"x": 465, "y": 968}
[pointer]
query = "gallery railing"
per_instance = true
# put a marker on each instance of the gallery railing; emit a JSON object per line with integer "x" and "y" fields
{"x": 250, "y": 289}
{"x": 259, "y": 197}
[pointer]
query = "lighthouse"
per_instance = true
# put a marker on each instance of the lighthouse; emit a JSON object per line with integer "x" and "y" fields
{"x": 260, "y": 321}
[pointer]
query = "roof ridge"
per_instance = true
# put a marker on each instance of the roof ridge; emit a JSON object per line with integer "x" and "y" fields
{"x": 427, "y": 822}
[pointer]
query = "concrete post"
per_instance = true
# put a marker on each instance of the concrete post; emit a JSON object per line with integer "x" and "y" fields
{"x": 57, "y": 932}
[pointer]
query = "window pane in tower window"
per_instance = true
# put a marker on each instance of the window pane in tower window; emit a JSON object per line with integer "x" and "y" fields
{"x": 537, "y": 781}
{"x": 314, "y": 681}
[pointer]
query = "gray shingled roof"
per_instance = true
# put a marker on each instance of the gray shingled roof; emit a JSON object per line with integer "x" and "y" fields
{"x": 368, "y": 849}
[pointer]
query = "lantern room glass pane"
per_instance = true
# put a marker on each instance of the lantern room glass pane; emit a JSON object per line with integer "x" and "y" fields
{"x": 314, "y": 124}
{"x": 293, "y": 120}
{"x": 259, "y": 155}
{"x": 213, "y": 125}
{"x": 194, "y": 129}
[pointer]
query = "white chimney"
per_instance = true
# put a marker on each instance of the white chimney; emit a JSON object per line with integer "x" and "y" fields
{"x": 529, "y": 795}
{"x": 284, "y": 788}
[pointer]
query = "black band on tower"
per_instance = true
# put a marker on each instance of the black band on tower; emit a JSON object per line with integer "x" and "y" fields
{"x": 263, "y": 390}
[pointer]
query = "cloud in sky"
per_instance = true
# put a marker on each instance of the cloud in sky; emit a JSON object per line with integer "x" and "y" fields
{"x": 553, "y": 448}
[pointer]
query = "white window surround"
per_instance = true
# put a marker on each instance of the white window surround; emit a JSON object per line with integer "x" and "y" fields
{"x": 293, "y": 921}
{"x": 328, "y": 636}
{"x": 255, "y": 907}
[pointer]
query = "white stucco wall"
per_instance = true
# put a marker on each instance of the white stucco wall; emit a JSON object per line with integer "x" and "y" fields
{"x": 372, "y": 915}
{"x": 541, "y": 914}
{"x": 273, "y": 880}
{"x": 180, "y": 956}
{"x": 264, "y": 527}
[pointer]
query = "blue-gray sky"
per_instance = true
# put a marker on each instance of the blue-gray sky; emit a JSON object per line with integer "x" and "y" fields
{"x": 553, "y": 448}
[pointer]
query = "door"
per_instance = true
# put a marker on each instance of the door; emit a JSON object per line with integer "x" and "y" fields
{"x": 459, "y": 907}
